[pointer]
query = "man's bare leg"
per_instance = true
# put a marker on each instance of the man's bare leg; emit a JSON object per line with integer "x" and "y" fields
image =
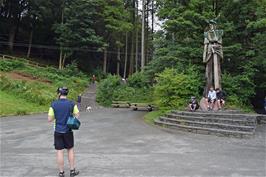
{"x": 71, "y": 158}
{"x": 219, "y": 104}
{"x": 60, "y": 159}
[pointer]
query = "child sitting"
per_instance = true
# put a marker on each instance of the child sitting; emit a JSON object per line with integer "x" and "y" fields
{"x": 193, "y": 104}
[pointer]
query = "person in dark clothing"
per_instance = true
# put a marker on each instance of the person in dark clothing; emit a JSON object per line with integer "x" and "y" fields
{"x": 265, "y": 105}
{"x": 220, "y": 94}
{"x": 79, "y": 101}
{"x": 59, "y": 112}
{"x": 193, "y": 104}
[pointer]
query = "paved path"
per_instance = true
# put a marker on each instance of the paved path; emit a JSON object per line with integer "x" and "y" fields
{"x": 88, "y": 98}
{"x": 117, "y": 143}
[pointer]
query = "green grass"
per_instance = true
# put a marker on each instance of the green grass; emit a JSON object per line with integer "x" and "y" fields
{"x": 10, "y": 104}
{"x": 38, "y": 90}
{"x": 151, "y": 116}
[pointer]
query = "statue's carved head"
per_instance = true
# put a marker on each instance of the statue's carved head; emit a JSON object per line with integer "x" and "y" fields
{"x": 212, "y": 24}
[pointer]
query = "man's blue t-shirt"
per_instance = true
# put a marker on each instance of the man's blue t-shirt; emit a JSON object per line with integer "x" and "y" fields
{"x": 62, "y": 108}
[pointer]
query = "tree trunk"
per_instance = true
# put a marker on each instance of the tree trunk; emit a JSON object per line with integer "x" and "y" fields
{"x": 11, "y": 38}
{"x": 133, "y": 21}
{"x": 30, "y": 43}
{"x": 61, "y": 50}
{"x": 131, "y": 65}
{"x": 118, "y": 61}
{"x": 146, "y": 38}
{"x": 63, "y": 61}
{"x": 143, "y": 36}
{"x": 104, "y": 60}
{"x": 137, "y": 38}
{"x": 60, "y": 59}
{"x": 126, "y": 56}
{"x": 152, "y": 17}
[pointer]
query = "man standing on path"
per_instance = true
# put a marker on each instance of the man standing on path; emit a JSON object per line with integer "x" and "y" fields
{"x": 59, "y": 111}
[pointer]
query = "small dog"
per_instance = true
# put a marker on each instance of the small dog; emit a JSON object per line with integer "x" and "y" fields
{"x": 89, "y": 108}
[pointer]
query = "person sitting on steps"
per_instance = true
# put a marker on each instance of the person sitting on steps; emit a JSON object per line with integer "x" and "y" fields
{"x": 193, "y": 104}
{"x": 220, "y": 94}
{"x": 211, "y": 98}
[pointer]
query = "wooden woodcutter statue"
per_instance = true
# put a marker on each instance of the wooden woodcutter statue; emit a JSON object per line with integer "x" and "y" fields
{"x": 212, "y": 55}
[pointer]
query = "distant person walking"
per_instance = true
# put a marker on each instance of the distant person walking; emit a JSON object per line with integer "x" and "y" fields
{"x": 93, "y": 79}
{"x": 265, "y": 104}
{"x": 59, "y": 112}
{"x": 79, "y": 101}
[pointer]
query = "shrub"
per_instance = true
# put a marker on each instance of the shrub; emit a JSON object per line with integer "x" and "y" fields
{"x": 72, "y": 70}
{"x": 238, "y": 88}
{"x": 173, "y": 89}
{"x": 123, "y": 93}
{"x": 112, "y": 89}
{"x": 106, "y": 88}
{"x": 138, "y": 80}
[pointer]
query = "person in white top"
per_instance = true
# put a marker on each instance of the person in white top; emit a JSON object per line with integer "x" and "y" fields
{"x": 211, "y": 98}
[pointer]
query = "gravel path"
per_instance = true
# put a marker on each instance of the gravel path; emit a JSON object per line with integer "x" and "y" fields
{"x": 117, "y": 143}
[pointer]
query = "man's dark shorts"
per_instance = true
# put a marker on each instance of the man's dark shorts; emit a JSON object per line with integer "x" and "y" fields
{"x": 63, "y": 140}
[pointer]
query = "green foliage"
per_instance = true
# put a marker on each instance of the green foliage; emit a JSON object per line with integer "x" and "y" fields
{"x": 113, "y": 89}
{"x": 239, "y": 88}
{"x": 77, "y": 29}
{"x": 36, "y": 93}
{"x": 106, "y": 89}
{"x": 151, "y": 116}
{"x": 138, "y": 80}
{"x": 11, "y": 104}
{"x": 10, "y": 65}
{"x": 39, "y": 92}
{"x": 244, "y": 41}
{"x": 173, "y": 89}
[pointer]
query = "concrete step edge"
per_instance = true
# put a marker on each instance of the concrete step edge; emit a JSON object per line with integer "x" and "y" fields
{"x": 220, "y": 114}
{"x": 253, "y": 120}
{"x": 206, "y": 129}
{"x": 209, "y": 123}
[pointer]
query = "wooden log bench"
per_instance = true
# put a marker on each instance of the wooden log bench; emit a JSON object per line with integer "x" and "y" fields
{"x": 142, "y": 106}
{"x": 121, "y": 104}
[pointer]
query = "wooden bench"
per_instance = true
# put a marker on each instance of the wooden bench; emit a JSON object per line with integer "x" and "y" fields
{"x": 142, "y": 106}
{"x": 121, "y": 104}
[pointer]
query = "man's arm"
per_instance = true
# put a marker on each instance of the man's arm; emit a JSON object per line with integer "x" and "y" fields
{"x": 50, "y": 114}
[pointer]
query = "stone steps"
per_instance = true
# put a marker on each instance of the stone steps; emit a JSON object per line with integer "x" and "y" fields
{"x": 261, "y": 119}
{"x": 231, "y": 121}
{"x": 218, "y": 115}
{"x": 224, "y": 126}
{"x": 220, "y": 123}
{"x": 203, "y": 130}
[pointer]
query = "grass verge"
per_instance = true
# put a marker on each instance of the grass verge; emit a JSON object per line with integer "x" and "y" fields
{"x": 13, "y": 105}
{"x": 151, "y": 116}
